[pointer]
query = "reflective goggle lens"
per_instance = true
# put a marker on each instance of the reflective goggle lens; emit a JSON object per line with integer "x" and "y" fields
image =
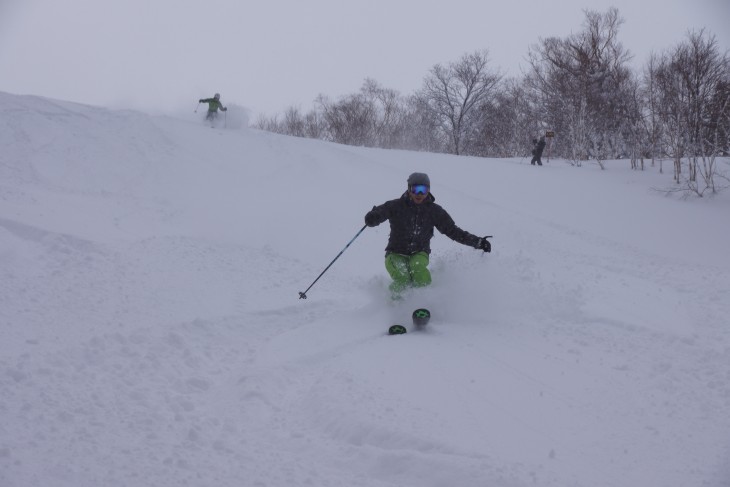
{"x": 419, "y": 189}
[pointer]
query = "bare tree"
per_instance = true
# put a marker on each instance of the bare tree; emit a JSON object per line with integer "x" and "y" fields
{"x": 652, "y": 108}
{"x": 270, "y": 124}
{"x": 670, "y": 101}
{"x": 314, "y": 126}
{"x": 349, "y": 121}
{"x": 389, "y": 114}
{"x": 583, "y": 84}
{"x": 506, "y": 123}
{"x": 293, "y": 123}
{"x": 374, "y": 117}
{"x": 693, "y": 81}
{"x": 422, "y": 129}
{"x": 455, "y": 92}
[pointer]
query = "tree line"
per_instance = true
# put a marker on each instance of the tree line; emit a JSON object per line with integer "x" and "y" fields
{"x": 581, "y": 88}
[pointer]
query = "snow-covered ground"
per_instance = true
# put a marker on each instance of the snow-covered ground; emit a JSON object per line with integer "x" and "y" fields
{"x": 152, "y": 335}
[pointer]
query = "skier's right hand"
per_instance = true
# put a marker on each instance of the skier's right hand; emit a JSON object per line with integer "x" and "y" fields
{"x": 200, "y": 101}
{"x": 371, "y": 218}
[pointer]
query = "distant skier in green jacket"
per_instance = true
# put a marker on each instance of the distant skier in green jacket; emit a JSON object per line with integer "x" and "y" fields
{"x": 213, "y": 105}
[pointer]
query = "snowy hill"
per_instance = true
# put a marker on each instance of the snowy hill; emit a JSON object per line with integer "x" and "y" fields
{"x": 152, "y": 333}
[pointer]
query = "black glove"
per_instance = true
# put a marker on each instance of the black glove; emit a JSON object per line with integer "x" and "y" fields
{"x": 224, "y": 109}
{"x": 200, "y": 101}
{"x": 371, "y": 218}
{"x": 484, "y": 244}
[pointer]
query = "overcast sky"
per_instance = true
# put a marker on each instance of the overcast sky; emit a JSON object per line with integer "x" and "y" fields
{"x": 162, "y": 55}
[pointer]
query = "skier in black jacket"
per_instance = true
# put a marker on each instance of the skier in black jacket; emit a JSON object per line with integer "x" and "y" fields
{"x": 537, "y": 151}
{"x": 412, "y": 218}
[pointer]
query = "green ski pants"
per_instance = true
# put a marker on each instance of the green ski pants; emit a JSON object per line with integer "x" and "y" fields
{"x": 407, "y": 271}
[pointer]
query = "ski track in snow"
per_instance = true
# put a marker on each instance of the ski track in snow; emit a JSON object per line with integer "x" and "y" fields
{"x": 152, "y": 333}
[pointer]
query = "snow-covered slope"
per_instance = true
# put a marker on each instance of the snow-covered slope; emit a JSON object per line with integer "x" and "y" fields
{"x": 152, "y": 333}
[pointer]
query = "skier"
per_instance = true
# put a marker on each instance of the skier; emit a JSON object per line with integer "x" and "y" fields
{"x": 412, "y": 218}
{"x": 537, "y": 151}
{"x": 213, "y": 105}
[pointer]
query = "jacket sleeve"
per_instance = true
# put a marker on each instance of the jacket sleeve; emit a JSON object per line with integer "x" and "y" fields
{"x": 445, "y": 224}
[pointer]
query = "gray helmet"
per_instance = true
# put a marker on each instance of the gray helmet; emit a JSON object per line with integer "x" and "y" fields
{"x": 419, "y": 178}
{"x": 217, "y": 96}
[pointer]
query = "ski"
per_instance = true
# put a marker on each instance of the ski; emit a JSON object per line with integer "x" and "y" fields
{"x": 397, "y": 330}
{"x": 421, "y": 317}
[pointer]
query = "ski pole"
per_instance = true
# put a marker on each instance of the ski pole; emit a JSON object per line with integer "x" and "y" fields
{"x": 196, "y": 107}
{"x": 303, "y": 295}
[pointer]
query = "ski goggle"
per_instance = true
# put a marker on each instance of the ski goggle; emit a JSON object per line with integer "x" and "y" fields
{"x": 419, "y": 189}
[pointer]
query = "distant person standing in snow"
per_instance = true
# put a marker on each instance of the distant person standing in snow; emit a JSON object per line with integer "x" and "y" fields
{"x": 412, "y": 218}
{"x": 213, "y": 105}
{"x": 537, "y": 151}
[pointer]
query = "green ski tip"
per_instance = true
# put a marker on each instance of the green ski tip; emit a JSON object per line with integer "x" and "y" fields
{"x": 397, "y": 330}
{"x": 421, "y": 316}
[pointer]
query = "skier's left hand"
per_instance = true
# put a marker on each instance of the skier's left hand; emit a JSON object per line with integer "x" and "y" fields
{"x": 484, "y": 244}
{"x": 224, "y": 109}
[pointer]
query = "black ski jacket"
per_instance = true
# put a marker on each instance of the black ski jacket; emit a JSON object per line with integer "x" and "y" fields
{"x": 539, "y": 147}
{"x": 411, "y": 225}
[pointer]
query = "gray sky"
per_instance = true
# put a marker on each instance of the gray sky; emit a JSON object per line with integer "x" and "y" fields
{"x": 162, "y": 55}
